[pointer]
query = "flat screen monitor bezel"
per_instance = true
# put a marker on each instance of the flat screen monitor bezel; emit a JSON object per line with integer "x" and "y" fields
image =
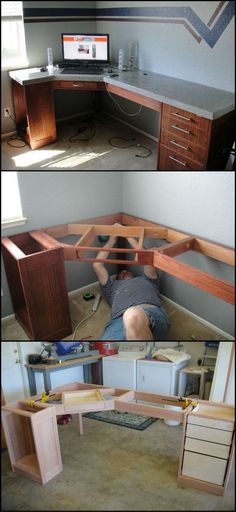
{"x": 84, "y": 61}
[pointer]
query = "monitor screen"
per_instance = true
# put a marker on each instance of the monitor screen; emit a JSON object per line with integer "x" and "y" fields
{"x": 85, "y": 48}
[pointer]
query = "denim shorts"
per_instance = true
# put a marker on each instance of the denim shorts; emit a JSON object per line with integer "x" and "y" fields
{"x": 159, "y": 324}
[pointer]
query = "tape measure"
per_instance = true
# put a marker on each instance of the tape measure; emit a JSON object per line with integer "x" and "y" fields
{"x": 88, "y": 296}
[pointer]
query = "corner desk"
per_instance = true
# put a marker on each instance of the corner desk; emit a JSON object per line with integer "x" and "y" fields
{"x": 196, "y": 122}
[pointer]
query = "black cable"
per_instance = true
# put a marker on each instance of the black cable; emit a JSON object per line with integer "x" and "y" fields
{"x": 82, "y": 129}
{"x": 130, "y": 146}
{"x": 15, "y": 137}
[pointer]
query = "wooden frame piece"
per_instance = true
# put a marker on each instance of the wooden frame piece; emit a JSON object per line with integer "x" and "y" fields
{"x": 128, "y": 226}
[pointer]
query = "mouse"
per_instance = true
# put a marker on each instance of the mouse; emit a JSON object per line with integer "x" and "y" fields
{"x": 43, "y": 69}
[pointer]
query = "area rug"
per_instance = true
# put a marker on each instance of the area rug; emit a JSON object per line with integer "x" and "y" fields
{"x": 123, "y": 419}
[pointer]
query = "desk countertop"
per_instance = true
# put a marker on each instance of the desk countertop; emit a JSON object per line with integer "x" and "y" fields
{"x": 199, "y": 99}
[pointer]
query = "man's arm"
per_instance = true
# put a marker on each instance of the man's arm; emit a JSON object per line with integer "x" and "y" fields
{"x": 149, "y": 270}
{"x": 98, "y": 267}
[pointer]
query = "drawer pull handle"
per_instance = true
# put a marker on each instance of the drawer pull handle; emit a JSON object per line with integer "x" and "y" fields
{"x": 182, "y": 117}
{"x": 179, "y": 161}
{"x": 180, "y": 129}
{"x": 77, "y": 85}
{"x": 180, "y": 145}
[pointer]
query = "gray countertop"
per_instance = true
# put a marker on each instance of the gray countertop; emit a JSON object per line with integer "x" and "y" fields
{"x": 199, "y": 99}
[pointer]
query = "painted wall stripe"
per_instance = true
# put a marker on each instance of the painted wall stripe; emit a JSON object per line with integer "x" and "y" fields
{"x": 163, "y": 14}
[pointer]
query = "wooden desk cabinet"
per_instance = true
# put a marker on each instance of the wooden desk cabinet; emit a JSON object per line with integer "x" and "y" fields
{"x": 37, "y": 283}
{"x": 207, "y": 448}
{"x": 32, "y": 440}
{"x": 190, "y": 142}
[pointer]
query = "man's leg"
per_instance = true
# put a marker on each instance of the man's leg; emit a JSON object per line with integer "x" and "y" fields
{"x": 137, "y": 324}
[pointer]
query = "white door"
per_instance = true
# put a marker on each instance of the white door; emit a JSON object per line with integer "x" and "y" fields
{"x": 12, "y": 378}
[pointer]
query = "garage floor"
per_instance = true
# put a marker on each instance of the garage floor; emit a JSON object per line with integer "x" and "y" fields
{"x": 95, "y": 154}
{"x": 112, "y": 468}
{"x": 183, "y": 326}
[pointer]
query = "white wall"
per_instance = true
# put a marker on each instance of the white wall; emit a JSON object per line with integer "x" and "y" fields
{"x": 221, "y": 372}
{"x": 172, "y": 49}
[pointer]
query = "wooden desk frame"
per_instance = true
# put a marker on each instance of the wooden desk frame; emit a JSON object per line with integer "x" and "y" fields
{"x": 203, "y": 149}
{"x": 35, "y": 256}
{"x": 122, "y": 400}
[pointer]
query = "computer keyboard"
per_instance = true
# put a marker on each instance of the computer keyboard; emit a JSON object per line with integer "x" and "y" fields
{"x": 81, "y": 71}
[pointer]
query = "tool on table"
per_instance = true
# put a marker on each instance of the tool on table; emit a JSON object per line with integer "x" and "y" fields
{"x": 103, "y": 238}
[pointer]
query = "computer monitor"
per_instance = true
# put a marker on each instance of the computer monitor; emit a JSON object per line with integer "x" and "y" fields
{"x": 85, "y": 48}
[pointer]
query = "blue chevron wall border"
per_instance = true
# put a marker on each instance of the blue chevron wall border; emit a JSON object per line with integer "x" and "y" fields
{"x": 164, "y": 14}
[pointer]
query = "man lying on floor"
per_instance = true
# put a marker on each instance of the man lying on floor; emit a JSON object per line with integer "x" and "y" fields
{"x": 137, "y": 312}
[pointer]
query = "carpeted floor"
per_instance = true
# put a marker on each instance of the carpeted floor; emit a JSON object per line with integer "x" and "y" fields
{"x": 95, "y": 154}
{"x": 183, "y": 326}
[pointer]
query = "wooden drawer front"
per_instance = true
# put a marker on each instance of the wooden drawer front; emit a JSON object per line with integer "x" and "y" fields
{"x": 209, "y": 434}
{"x": 185, "y": 148}
{"x": 86, "y": 86}
{"x": 175, "y": 161}
{"x": 202, "y": 467}
{"x": 208, "y": 422}
{"x": 185, "y": 119}
{"x": 206, "y": 448}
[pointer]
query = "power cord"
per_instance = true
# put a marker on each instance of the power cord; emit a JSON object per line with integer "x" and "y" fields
{"x": 94, "y": 309}
{"x": 149, "y": 151}
{"x": 82, "y": 129}
{"x": 122, "y": 110}
{"x": 15, "y": 137}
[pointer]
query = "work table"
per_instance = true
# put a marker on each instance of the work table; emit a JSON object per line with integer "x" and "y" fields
{"x": 202, "y": 100}
{"x": 196, "y": 122}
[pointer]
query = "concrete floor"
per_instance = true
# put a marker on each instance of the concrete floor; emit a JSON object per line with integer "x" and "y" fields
{"x": 94, "y": 155}
{"x": 183, "y": 325}
{"x": 113, "y": 468}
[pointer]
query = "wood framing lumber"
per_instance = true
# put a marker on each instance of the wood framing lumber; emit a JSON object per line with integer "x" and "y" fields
{"x": 211, "y": 249}
{"x": 198, "y": 278}
{"x": 12, "y": 248}
{"x": 87, "y": 238}
{"x": 175, "y": 248}
{"x": 44, "y": 239}
{"x": 136, "y": 97}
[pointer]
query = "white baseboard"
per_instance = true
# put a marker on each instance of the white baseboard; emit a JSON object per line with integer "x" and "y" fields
{"x": 8, "y": 134}
{"x": 148, "y": 135}
{"x": 73, "y": 116}
{"x": 199, "y": 318}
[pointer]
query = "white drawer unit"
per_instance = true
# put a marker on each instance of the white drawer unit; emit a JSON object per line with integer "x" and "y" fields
{"x": 207, "y": 447}
{"x": 202, "y": 467}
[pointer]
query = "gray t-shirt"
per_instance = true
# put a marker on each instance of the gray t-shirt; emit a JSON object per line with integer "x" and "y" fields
{"x": 123, "y": 294}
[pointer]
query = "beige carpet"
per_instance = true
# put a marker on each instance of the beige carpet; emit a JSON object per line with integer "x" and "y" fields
{"x": 183, "y": 326}
{"x": 96, "y": 154}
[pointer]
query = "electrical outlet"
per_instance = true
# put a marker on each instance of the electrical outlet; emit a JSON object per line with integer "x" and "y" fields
{"x": 7, "y": 112}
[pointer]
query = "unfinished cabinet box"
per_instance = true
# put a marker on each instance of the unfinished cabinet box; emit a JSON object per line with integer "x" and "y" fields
{"x": 37, "y": 283}
{"x": 208, "y": 448}
{"x": 32, "y": 440}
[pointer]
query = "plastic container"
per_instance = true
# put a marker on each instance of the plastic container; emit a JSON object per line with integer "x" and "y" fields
{"x": 172, "y": 423}
{"x": 121, "y": 59}
{"x": 50, "y": 59}
{"x": 106, "y": 349}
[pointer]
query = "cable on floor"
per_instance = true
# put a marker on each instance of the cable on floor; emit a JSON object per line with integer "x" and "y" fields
{"x": 15, "y": 137}
{"x": 149, "y": 151}
{"x": 81, "y": 322}
{"x": 82, "y": 129}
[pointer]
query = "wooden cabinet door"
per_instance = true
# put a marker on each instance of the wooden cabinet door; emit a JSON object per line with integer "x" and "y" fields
{"x": 44, "y": 281}
{"x": 40, "y": 114}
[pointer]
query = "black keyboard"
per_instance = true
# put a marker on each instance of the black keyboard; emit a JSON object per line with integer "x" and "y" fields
{"x": 81, "y": 71}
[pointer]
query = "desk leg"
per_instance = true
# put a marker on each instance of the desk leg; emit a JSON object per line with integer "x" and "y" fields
{"x": 47, "y": 381}
{"x": 87, "y": 374}
{"x": 80, "y": 424}
{"x": 32, "y": 381}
